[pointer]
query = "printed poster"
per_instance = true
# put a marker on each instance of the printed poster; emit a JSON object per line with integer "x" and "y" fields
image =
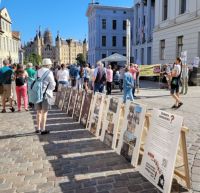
{"x": 86, "y": 107}
{"x": 78, "y": 106}
{"x": 62, "y": 98}
{"x": 67, "y": 99}
{"x": 196, "y": 62}
{"x": 150, "y": 70}
{"x": 72, "y": 102}
{"x": 131, "y": 132}
{"x": 96, "y": 114}
{"x": 111, "y": 121}
{"x": 184, "y": 57}
{"x": 160, "y": 150}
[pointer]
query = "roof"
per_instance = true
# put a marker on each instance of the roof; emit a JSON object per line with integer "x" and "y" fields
{"x": 4, "y": 14}
{"x": 16, "y": 35}
{"x": 115, "y": 58}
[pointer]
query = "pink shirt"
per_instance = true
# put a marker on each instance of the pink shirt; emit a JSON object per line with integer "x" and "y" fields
{"x": 133, "y": 71}
{"x": 109, "y": 75}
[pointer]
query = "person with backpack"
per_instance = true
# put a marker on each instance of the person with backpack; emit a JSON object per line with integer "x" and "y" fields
{"x": 175, "y": 83}
{"x": 74, "y": 75}
{"x": 20, "y": 78}
{"x": 99, "y": 78}
{"x": 6, "y": 81}
{"x": 41, "y": 94}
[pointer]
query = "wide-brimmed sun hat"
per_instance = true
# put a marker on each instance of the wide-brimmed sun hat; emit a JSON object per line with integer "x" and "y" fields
{"x": 46, "y": 62}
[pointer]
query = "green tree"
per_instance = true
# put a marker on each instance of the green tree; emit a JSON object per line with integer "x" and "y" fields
{"x": 80, "y": 59}
{"x": 35, "y": 59}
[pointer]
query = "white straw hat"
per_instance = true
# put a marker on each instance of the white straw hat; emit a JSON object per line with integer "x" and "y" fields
{"x": 46, "y": 62}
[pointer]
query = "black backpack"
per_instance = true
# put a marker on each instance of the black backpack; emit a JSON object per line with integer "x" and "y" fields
{"x": 100, "y": 78}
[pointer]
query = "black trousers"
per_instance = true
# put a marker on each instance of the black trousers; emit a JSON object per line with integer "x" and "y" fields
{"x": 109, "y": 87}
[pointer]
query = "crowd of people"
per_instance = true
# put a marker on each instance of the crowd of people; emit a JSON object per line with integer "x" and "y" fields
{"x": 16, "y": 82}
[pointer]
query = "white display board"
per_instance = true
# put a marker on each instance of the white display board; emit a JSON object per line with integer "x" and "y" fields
{"x": 96, "y": 114}
{"x": 111, "y": 121}
{"x": 196, "y": 62}
{"x": 131, "y": 132}
{"x": 184, "y": 57}
{"x": 160, "y": 149}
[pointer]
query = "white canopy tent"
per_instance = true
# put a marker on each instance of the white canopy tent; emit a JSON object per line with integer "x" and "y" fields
{"x": 114, "y": 58}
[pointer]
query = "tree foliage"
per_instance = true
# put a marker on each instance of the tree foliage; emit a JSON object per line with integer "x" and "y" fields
{"x": 80, "y": 59}
{"x": 35, "y": 59}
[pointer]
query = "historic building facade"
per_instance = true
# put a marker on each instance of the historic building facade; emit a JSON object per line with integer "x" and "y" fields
{"x": 177, "y": 29}
{"x": 64, "y": 51}
{"x": 142, "y": 31}
{"x": 106, "y": 31}
{"x": 9, "y": 40}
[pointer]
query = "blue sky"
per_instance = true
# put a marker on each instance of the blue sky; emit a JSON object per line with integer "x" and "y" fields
{"x": 67, "y": 16}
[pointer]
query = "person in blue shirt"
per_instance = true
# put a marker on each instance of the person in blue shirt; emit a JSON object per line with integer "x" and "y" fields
{"x": 128, "y": 85}
{"x": 6, "y": 80}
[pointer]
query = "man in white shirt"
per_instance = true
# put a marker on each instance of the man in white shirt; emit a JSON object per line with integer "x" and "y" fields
{"x": 48, "y": 87}
{"x": 175, "y": 83}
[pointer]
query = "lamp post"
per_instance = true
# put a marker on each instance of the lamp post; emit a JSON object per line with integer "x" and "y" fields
{"x": 128, "y": 42}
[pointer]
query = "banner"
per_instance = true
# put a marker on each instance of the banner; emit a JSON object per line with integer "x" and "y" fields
{"x": 131, "y": 132}
{"x": 150, "y": 70}
{"x": 96, "y": 114}
{"x": 160, "y": 150}
{"x": 111, "y": 121}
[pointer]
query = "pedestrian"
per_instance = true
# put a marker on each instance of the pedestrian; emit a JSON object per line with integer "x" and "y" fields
{"x": 21, "y": 77}
{"x": 63, "y": 76}
{"x": 121, "y": 72}
{"x": 133, "y": 71}
{"x": 6, "y": 80}
{"x": 86, "y": 77}
{"x": 99, "y": 78}
{"x": 81, "y": 77}
{"x": 109, "y": 79}
{"x": 175, "y": 83}
{"x": 47, "y": 89}
{"x": 184, "y": 79}
{"x": 31, "y": 72}
{"x": 128, "y": 85}
{"x": 13, "y": 85}
{"x": 74, "y": 75}
{"x": 91, "y": 82}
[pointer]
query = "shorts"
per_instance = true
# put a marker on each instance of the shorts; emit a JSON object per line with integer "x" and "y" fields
{"x": 6, "y": 91}
{"x": 44, "y": 105}
{"x": 86, "y": 80}
{"x": 175, "y": 87}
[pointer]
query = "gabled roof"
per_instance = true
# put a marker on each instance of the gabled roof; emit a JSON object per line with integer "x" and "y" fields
{"x": 16, "y": 35}
{"x": 4, "y": 14}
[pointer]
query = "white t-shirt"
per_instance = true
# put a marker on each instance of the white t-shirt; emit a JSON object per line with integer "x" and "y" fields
{"x": 177, "y": 68}
{"x": 63, "y": 75}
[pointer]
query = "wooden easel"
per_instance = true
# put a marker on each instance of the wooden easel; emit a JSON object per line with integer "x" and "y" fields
{"x": 182, "y": 167}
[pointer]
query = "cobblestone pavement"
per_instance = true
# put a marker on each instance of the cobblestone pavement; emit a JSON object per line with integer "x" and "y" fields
{"x": 153, "y": 97}
{"x": 71, "y": 160}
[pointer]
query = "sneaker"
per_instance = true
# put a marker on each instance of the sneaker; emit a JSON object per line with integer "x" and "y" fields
{"x": 12, "y": 109}
{"x": 26, "y": 109}
{"x": 3, "y": 111}
{"x": 37, "y": 131}
{"x": 44, "y": 132}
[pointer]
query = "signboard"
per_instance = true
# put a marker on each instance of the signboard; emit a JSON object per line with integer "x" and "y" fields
{"x": 150, "y": 70}
{"x": 96, "y": 114}
{"x": 62, "y": 98}
{"x": 160, "y": 150}
{"x": 86, "y": 107}
{"x": 78, "y": 106}
{"x": 131, "y": 132}
{"x": 72, "y": 102}
{"x": 184, "y": 57}
{"x": 111, "y": 121}
{"x": 67, "y": 99}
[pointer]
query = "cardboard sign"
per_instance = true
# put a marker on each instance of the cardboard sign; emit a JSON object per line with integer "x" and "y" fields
{"x": 78, "y": 106}
{"x": 62, "y": 98}
{"x": 160, "y": 149}
{"x": 67, "y": 99}
{"x": 131, "y": 132}
{"x": 86, "y": 108}
{"x": 72, "y": 102}
{"x": 96, "y": 114}
{"x": 111, "y": 121}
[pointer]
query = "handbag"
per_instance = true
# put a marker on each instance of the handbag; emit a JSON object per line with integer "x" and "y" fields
{"x": 1, "y": 89}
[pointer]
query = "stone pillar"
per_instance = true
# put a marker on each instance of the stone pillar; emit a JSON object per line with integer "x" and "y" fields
{"x": 135, "y": 30}
{"x": 149, "y": 24}
{"x": 141, "y": 21}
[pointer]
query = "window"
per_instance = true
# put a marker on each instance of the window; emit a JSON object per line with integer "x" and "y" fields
{"x": 103, "y": 42}
{"x": 162, "y": 49}
{"x": 114, "y": 24}
{"x": 165, "y": 9}
{"x": 124, "y": 41}
{"x": 179, "y": 45}
{"x": 114, "y": 41}
{"x": 103, "y": 56}
{"x": 124, "y": 12}
{"x": 103, "y": 23}
{"x": 182, "y": 6}
{"x": 124, "y": 24}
